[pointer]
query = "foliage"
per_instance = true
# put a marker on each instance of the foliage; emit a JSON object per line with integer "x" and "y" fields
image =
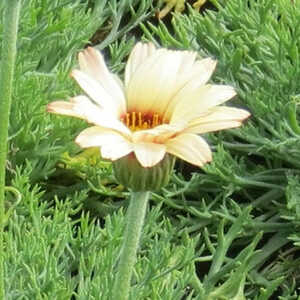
{"x": 230, "y": 231}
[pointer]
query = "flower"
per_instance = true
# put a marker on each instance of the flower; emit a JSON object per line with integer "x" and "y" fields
{"x": 178, "y": 6}
{"x": 163, "y": 105}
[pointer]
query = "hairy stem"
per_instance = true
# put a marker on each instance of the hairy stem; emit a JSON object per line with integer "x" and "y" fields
{"x": 11, "y": 18}
{"x": 135, "y": 220}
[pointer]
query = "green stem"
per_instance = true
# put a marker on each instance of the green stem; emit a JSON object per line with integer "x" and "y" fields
{"x": 11, "y": 18}
{"x": 135, "y": 220}
{"x": 292, "y": 117}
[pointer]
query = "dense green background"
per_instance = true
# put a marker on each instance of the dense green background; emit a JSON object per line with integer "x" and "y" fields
{"x": 230, "y": 231}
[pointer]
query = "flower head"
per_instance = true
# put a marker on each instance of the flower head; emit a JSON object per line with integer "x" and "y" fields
{"x": 178, "y": 6}
{"x": 163, "y": 105}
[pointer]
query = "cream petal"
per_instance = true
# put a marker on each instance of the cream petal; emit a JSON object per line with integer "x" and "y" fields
{"x": 187, "y": 62}
{"x": 149, "y": 154}
{"x": 194, "y": 76}
{"x": 92, "y": 63}
{"x": 191, "y": 148}
{"x": 116, "y": 150}
{"x": 105, "y": 120}
{"x": 137, "y": 57}
{"x": 112, "y": 145}
{"x": 219, "y": 118}
{"x": 192, "y": 102}
{"x": 217, "y": 126}
{"x": 154, "y": 83}
{"x": 96, "y": 137}
{"x": 63, "y": 108}
{"x": 81, "y": 107}
{"x": 98, "y": 93}
{"x": 199, "y": 72}
{"x": 157, "y": 134}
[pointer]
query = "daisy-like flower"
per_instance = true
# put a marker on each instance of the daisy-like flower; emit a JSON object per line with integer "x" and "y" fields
{"x": 163, "y": 105}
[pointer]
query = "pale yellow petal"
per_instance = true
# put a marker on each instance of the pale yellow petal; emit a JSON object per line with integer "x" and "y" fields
{"x": 63, "y": 108}
{"x": 193, "y": 102}
{"x": 96, "y": 136}
{"x": 97, "y": 93}
{"x": 187, "y": 62}
{"x": 219, "y": 118}
{"x": 158, "y": 134}
{"x": 200, "y": 72}
{"x": 194, "y": 75}
{"x": 138, "y": 55}
{"x": 116, "y": 150}
{"x": 81, "y": 107}
{"x": 191, "y": 148}
{"x": 149, "y": 154}
{"x": 153, "y": 84}
{"x": 112, "y": 144}
{"x": 217, "y": 126}
{"x": 92, "y": 63}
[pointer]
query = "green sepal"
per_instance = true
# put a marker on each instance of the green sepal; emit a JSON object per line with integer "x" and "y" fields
{"x": 129, "y": 172}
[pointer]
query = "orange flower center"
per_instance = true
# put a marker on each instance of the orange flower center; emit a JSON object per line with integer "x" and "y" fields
{"x": 139, "y": 121}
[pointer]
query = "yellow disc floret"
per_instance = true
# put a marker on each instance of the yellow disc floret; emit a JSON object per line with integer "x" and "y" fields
{"x": 140, "y": 121}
